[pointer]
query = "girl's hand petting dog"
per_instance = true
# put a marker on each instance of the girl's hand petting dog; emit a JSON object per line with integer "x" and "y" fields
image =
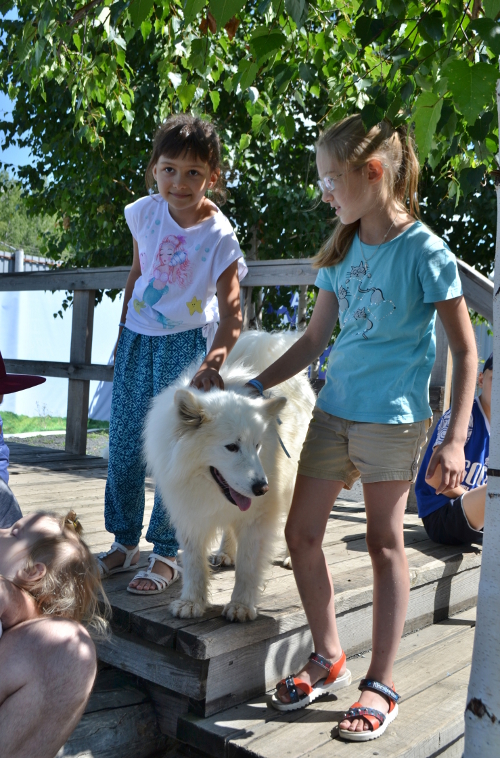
{"x": 206, "y": 378}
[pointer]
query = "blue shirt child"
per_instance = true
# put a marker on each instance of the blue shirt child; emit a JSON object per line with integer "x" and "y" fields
{"x": 476, "y": 450}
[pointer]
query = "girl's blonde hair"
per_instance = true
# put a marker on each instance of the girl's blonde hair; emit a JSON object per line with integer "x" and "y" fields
{"x": 351, "y": 145}
{"x": 71, "y": 584}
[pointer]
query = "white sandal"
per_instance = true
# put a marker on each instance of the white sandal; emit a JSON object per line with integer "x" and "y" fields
{"x": 117, "y": 547}
{"x": 158, "y": 579}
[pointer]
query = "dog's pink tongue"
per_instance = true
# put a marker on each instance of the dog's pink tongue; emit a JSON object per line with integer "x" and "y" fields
{"x": 241, "y": 501}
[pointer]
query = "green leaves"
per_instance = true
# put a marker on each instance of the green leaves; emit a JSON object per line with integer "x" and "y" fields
{"x": 139, "y": 11}
{"x": 489, "y": 31}
{"x": 249, "y": 72}
{"x": 215, "y": 98}
{"x": 272, "y": 70}
{"x": 297, "y": 9}
{"x": 185, "y": 93}
{"x": 245, "y": 141}
{"x": 265, "y": 42}
{"x": 427, "y": 113}
{"x": 192, "y": 8}
{"x": 224, "y": 10}
{"x": 491, "y": 8}
{"x": 472, "y": 86}
{"x": 470, "y": 179}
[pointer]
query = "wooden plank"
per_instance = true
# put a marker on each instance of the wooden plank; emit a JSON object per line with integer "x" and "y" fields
{"x": 156, "y": 664}
{"x": 478, "y": 290}
{"x": 427, "y": 721}
{"x": 282, "y": 612}
{"x": 110, "y": 277}
{"x": 78, "y": 389}
{"x": 237, "y": 676}
{"x": 245, "y": 724}
{"x": 169, "y": 707}
{"x": 95, "y": 371}
{"x": 128, "y": 732}
{"x": 115, "y": 689}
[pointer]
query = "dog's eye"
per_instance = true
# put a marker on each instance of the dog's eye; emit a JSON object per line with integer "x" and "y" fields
{"x": 232, "y": 448}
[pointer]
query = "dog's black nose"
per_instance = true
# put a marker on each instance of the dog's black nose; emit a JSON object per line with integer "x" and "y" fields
{"x": 260, "y": 488}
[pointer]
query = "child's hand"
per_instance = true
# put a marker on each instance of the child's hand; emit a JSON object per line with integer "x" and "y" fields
{"x": 451, "y": 460}
{"x": 435, "y": 480}
{"x": 206, "y": 378}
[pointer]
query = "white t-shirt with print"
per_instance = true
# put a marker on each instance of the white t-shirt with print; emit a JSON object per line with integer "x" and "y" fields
{"x": 176, "y": 290}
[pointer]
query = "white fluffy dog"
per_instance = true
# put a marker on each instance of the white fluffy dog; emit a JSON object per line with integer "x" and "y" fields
{"x": 217, "y": 460}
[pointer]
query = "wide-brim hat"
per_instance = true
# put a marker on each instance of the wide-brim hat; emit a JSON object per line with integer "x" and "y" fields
{"x": 16, "y": 382}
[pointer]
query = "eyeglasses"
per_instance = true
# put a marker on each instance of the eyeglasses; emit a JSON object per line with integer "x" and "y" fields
{"x": 327, "y": 184}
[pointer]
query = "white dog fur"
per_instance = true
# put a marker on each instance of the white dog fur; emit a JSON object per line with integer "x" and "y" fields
{"x": 192, "y": 437}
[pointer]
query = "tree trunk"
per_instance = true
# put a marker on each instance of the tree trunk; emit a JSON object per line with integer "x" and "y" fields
{"x": 482, "y": 714}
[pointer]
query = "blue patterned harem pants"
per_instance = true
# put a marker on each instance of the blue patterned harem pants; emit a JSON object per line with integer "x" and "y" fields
{"x": 144, "y": 366}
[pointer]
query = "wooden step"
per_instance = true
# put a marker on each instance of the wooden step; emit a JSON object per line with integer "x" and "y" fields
{"x": 215, "y": 664}
{"x": 431, "y": 673}
{"x": 119, "y": 722}
{"x": 204, "y": 666}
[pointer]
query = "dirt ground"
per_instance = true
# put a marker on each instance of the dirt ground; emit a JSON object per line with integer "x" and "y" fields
{"x": 96, "y": 441}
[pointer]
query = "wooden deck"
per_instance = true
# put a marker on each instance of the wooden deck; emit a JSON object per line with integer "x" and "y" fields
{"x": 195, "y": 669}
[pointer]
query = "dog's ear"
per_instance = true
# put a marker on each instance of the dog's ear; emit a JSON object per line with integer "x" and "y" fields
{"x": 274, "y": 405}
{"x": 191, "y": 411}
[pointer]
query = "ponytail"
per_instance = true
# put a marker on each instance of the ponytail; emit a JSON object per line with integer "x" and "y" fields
{"x": 349, "y": 143}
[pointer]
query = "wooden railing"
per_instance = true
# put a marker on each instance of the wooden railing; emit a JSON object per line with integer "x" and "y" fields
{"x": 478, "y": 291}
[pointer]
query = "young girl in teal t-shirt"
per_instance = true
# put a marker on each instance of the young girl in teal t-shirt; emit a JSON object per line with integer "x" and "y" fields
{"x": 383, "y": 275}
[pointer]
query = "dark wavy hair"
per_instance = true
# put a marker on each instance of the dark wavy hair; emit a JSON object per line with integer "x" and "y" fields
{"x": 181, "y": 134}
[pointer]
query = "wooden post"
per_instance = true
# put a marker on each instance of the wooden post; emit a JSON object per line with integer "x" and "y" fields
{"x": 441, "y": 371}
{"x": 482, "y": 713}
{"x": 302, "y": 309}
{"x": 252, "y": 315}
{"x": 440, "y": 394}
{"x": 78, "y": 389}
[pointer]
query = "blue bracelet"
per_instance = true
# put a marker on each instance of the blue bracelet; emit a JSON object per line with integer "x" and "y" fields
{"x": 260, "y": 388}
{"x": 121, "y": 323}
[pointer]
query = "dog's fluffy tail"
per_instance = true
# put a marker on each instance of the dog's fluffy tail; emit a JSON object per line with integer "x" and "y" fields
{"x": 258, "y": 349}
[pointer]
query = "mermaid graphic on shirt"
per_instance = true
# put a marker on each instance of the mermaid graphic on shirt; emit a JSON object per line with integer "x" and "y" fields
{"x": 171, "y": 266}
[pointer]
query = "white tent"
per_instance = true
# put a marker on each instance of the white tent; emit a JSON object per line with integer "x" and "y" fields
{"x": 28, "y": 330}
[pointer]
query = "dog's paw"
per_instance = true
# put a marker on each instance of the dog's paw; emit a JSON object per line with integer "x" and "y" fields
{"x": 222, "y": 559}
{"x": 187, "y": 609}
{"x": 239, "y": 612}
{"x": 287, "y": 562}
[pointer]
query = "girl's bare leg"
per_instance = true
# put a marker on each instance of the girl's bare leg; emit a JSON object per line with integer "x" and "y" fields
{"x": 311, "y": 506}
{"x": 385, "y": 504}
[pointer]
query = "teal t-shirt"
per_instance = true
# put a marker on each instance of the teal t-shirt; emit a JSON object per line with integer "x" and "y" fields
{"x": 380, "y": 364}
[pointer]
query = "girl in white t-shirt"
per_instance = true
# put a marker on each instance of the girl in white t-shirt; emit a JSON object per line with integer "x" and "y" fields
{"x": 181, "y": 304}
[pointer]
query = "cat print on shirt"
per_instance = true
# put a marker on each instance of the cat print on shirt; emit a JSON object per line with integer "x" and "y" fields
{"x": 358, "y": 272}
{"x": 368, "y": 304}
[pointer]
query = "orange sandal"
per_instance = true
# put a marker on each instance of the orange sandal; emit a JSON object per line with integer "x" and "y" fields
{"x": 377, "y": 721}
{"x": 330, "y": 683}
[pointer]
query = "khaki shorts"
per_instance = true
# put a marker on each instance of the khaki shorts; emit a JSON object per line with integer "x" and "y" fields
{"x": 341, "y": 450}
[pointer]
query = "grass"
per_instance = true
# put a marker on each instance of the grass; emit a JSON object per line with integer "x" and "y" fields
{"x": 15, "y": 424}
